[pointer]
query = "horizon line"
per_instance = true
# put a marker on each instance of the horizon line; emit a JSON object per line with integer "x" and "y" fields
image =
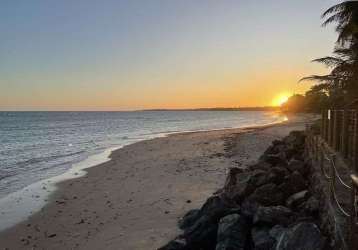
{"x": 149, "y": 109}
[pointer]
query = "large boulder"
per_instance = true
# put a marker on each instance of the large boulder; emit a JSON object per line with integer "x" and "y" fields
{"x": 216, "y": 207}
{"x": 238, "y": 187}
{"x": 189, "y": 219}
{"x": 267, "y": 195}
{"x": 201, "y": 235}
{"x": 273, "y": 215}
{"x": 261, "y": 238}
{"x": 201, "y": 226}
{"x": 260, "y": 165}
{"x": 297, "y": 181}
{"x": 297, "y": 199}
{"x": 233, "y": 232}
{"x": 280, "y": 174}
{"x": 292, "y": 184}
{"x": 277, "y": 231}
{"x": 176, "y": 244}
{"x": 311, "y": 206}
{"x": 303, "y": 236}
{"x": 296, "y": 139}
{"x": 297, "y": 165}
{"x": 274, "y": 159}
{"x": 249, "y": 208}
{"x": 276, "y": 147}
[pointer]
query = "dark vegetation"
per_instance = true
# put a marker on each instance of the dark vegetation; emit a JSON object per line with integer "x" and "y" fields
{"x": 340, "y": 86}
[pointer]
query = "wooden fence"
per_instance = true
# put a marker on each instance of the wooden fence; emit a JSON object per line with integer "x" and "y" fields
{"x": 339, "y": 130}
{"x": 339, "y": 133}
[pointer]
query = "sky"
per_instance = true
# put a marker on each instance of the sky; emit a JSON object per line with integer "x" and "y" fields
{"x": 128, "y": 55}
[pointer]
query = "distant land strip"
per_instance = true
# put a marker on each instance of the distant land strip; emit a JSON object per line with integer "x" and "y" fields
{"x": 265, "y": 108}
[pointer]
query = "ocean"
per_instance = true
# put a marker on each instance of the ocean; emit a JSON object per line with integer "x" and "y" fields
{"x": 35, "y": 146}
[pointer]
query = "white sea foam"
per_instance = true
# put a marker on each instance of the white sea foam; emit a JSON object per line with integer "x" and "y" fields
{"x": 39, "y": 150}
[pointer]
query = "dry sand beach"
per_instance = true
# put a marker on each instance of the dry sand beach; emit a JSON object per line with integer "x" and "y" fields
{"x": 134, "y": 200}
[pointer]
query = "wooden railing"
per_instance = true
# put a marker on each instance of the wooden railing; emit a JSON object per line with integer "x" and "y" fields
{"x": 320, "y": 156}
{"x": 339, "y": 133}
{"x": 354, "y": 214}
{"x": 339, "y": 130}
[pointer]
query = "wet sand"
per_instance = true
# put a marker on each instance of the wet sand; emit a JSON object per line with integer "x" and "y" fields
{"x": 134, "y": 200}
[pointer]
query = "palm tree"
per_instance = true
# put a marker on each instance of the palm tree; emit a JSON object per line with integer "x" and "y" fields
{"x": 345, "y": 15}
{"x": 342, "y": 81}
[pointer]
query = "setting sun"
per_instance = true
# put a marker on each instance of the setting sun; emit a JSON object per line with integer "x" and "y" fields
{"x": 280, "y": 99}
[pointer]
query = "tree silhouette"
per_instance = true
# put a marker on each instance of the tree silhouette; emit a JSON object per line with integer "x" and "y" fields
{"x": 341, "y": 84}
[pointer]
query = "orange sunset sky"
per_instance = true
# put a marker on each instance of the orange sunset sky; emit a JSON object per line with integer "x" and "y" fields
{"x": 127, "y": 55}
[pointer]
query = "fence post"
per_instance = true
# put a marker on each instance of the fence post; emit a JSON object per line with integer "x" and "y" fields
{"x": 344, "y": 138}
{"x": 335, "y": 138}
{"x": 353, "y": 220}
{"x": 333, "y": 178}
{"x": 329, "y": 125}
{"x": 323, "y": 124}
{"x": 321, "y": 163}
{"x": 326, "y": 127}
{"x": 355, "y": 140}
{"x": 317, "y": 147}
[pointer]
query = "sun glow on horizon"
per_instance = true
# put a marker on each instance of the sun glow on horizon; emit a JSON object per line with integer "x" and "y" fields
{"x": 280, "y": 99}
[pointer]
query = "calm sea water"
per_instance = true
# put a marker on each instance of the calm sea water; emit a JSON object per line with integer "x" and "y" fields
{"x": 38, "y": 145}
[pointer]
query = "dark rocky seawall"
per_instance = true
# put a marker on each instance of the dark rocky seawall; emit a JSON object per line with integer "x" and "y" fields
{"x": 270, "y": 205}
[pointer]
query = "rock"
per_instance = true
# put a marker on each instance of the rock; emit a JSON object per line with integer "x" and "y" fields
{"x": 273, "y": 215}
{"x": 51, "y": 235}
{"x": 189, "y": 219}
{"x": 25, "y": 241}
{"x": 264, "y": 206}
{"x": 262, "y": 239}
{"x": 275, "y": 148}
{"x": 216, "y": 207}
{"x": 299, "y": 156}
{"x": 277, "y": 231}
{"x": 280, "y": 174}
{"x": 311, "y": 206}
{"x": 241, "y": 186}
{"x": 291, "y": 153}
{"x": 259, "y": 178}
{"x": 274, "y": 159}
{"x": 296, "y": 165}
{"x": 303, "y": 236}
{"x": 81, "y": 221}
{"x": 271, "y": 150}
{"x": 249, "y": 208}
{"x": 261, "y": 165}
{"x": 236, "y": 184}
{"x": 176, "y": 244}
{"x": 267, "y": 195}
{"x": 202, "y": 229}
{"x": 295, "y": 139}
{"x": 231, "y": 178}
{"x": 201, "y": 235}
{"x": 233, "y": 232}
{"x": 297, "y": 182}
{"x": 296, "y": 199}
{"x": 277, "y": 142}
{"x": 292, "y": 184}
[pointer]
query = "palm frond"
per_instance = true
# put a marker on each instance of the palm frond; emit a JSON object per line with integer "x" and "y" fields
{"x": 329, "y": 61}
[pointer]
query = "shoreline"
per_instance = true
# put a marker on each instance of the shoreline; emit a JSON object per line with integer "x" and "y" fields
{"x": 16, "y": 207}
{"x": 59, "y": 199}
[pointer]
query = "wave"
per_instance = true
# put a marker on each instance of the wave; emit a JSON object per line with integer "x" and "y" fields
{"x": 31, "y": 161}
